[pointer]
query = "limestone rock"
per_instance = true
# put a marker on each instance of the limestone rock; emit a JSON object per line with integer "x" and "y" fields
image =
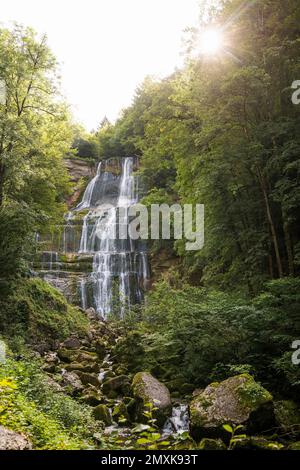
{"x": 237, "y": 400}
{"x": 147, "y": 389}
{"x": 72, "y": 381}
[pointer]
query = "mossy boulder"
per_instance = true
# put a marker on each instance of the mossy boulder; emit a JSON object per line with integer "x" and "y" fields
{"x": 102, "y": 413}
{"x": 88, "y": 378}
{"x": 287, "y": 414}
{"x": 212, "y": 444}
{"x": 147, "y": 389}
{"x": 83, "y": 366}
{"x": 237, "y": 400}
{"x": 256, "y": 443}
{"x": 67, "y": 355}
{"x": 115, "y": 386}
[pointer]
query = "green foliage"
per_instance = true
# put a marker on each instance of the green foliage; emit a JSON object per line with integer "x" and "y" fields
{"x": 224, "y": 133}
{"x": 200, "y": 335}
{"x": 34, "y": 311}
{"x": 20, "y": 413}
{"x": 35, "y": 134}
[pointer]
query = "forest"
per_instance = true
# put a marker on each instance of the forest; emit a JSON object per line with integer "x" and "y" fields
{"x": 209, "y": 358}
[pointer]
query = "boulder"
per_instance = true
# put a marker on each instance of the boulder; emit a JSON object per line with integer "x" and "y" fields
{"x": 115, "y": 386}
{"x": 237, "y": 400}
{"x": 72, "y": 382}
{"x": 67, "y": 355}
{"x": 147, "y": 389}
{"x": 10, "y": 440}
{"x": 83, "y": 366}
{"x": 92, "y": 396}
{"x": 100, "y": 348}
{"x": 101, "y": 413}
{"x": 256, "y": 443}
{"x": 211, "y": 444}
{"x": 88, "y": 378}
{"x": 287, "y": 414}
{"x": 72, "y": 343}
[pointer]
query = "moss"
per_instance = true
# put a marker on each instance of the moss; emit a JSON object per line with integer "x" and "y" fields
{"x": 101, "y": 413}
{"x": 251, "y": 393}
{"x": 287, "y": 415}
{"x": 295, "y": 446}
{"x": 35, "y": 311}
{"x": 212, "y": 444}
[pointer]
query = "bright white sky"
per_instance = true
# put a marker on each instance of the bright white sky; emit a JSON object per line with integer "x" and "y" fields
{"x": 107, "y": 47}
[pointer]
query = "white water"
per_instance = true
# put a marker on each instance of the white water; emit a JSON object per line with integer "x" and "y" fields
{"x": 120, "y": 266}
{"x": 178, "y": 422}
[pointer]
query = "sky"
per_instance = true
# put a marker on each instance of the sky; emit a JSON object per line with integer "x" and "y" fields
{"x": 105, "y": 48}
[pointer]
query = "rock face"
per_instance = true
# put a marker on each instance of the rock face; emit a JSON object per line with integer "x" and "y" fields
{"x": 10, "y": 440}
{"x": 147, "y": 389}
{"x": 237, "y": 400}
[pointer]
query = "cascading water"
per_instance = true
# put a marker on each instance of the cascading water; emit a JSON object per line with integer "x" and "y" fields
{"x": 86, "y": 255}
{"x": 120, "y": 266}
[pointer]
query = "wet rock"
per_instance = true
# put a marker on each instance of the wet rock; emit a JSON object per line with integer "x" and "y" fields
{"x": 10, "y": 440}
{"x": 237, "y": 400}
{"x": 147, "y": 389}
{"x": 91, "y": 313}
{"x": 101, "y": 413}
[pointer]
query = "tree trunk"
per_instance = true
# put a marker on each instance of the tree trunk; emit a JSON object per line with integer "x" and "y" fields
{"x": 289, "y": 248}
{"x": 271, "y": 223}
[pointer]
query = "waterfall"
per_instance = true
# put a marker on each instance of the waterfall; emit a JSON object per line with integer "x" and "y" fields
{"x": 120, "y": 266}
{"x": 178, "y": 422}
{"x": 88, "y": 193}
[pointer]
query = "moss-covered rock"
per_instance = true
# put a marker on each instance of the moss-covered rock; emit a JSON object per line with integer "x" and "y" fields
{"x": 83, "y": 366}
{"x": 237, "y": 400}
{"x": 256, "y": 443}
{"x": 101, "y": 349}
{"x": 120, "y": 385}
{"x": 147, "y": 389}
{"x": 287, "y": 414}
{"x": 212, "y": 444}
{"x": 88, "y": 378}
{"x": 101, "y": 413}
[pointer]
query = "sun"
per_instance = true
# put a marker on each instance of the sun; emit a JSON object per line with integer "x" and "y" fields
{"x": 211, "y": 41}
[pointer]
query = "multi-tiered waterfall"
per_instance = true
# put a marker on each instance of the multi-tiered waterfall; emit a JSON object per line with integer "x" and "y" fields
{"x": 110, "y": 271}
